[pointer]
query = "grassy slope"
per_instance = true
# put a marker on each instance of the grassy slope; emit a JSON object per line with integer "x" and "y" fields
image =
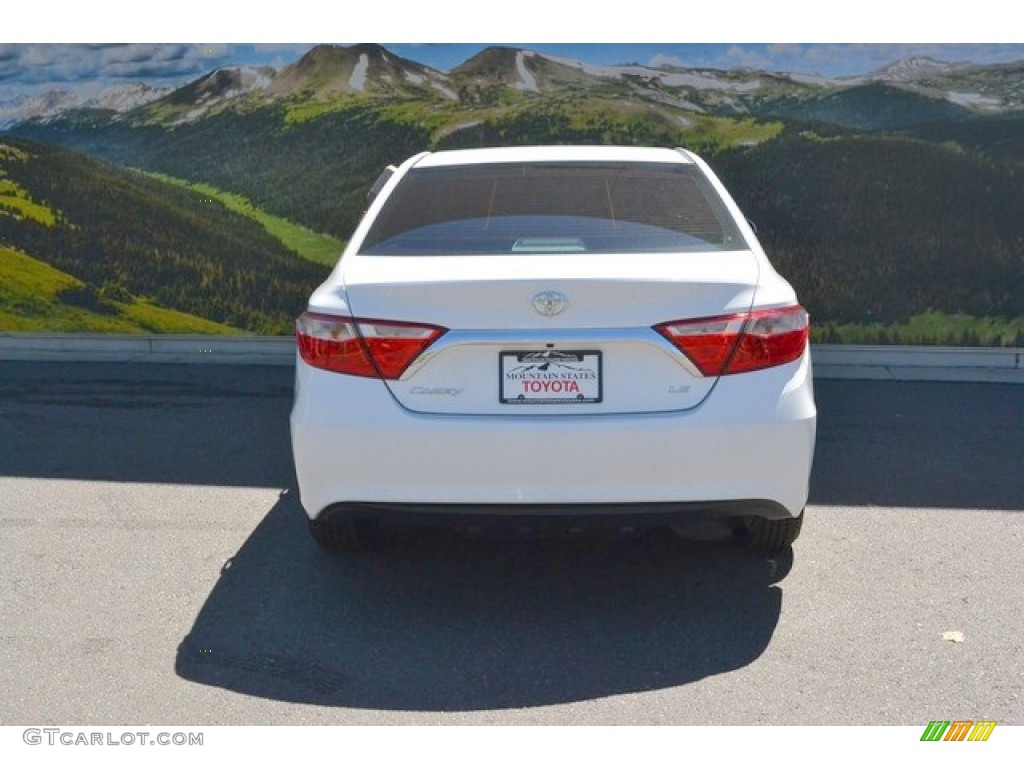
{"x": 16, "y": 201}
{"x": 126, "y": 236}
{"x": 30, "y": 301}
{"x": 30, "y": 289}
{"x": 310, "y": 245}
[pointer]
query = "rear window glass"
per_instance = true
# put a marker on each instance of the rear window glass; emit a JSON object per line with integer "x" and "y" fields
{"x": 505, "y": 208}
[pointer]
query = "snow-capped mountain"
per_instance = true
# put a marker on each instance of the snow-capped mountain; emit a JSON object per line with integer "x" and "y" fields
{"x": 743, "y": 81}
{"x": 53, "y": 103}
{"x": 534, "y": 73}
{"x": 521, "y": 70}
{"x": 326, "y": 71}
{"x": 225, "y": 83}
{"x": 42, "y": 105}
{"x": 214, "y": 90}
{"x": 914, "y": 69}
{"x": 329, "y": 74}
{"x": 121, "y": 98}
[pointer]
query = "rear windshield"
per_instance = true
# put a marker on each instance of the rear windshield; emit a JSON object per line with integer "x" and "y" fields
{"x": 552, "y": 208}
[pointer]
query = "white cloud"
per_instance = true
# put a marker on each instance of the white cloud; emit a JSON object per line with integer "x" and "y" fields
{"x": 59, "y": 65}
{"x": 739, "y": 56}
{"x": 665, "y": 60}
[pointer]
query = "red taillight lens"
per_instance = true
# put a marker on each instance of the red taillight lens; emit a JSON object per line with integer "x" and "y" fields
{"x": 393, "y": 346}
{"x": 771, "y": 337}
{"x": 708, "y": 342}
{"x": 332, "y": 343}
{"x": 742, "y": 342}
{"x": 361, "y": 347}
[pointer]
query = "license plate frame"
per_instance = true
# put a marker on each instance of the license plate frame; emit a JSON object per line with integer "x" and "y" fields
{"x": 550, "y": 377}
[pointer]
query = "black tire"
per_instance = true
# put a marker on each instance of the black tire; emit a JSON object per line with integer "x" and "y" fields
{"x": 344, "y": 534}
{"x": 767, "y": 535}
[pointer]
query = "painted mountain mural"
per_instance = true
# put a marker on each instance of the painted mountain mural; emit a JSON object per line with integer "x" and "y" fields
{"x": 891, "y": 199}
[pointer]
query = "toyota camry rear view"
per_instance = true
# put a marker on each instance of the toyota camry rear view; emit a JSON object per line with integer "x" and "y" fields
{"x": 553, "y": 333}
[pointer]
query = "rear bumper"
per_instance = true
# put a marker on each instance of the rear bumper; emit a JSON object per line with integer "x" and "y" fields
{"x": 555, "y": 517}
{"x": 749, "y": 446}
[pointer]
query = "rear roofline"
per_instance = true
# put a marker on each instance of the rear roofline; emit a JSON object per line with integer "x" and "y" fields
{"x": 545, "y": 154}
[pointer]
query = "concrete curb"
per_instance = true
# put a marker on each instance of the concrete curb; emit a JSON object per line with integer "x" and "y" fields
{"x": 899, "y": 363}
{"x": 831, "y": 361}
{"x": 129, "y": 348}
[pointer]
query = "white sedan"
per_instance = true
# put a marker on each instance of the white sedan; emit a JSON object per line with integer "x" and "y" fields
{"x": 553, "y": 334}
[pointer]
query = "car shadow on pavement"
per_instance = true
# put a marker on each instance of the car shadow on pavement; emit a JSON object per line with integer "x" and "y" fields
{"x": 443, "y": 621}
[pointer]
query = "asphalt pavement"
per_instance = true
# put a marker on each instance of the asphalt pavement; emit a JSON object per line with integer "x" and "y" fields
{"x": 156, "y": 569}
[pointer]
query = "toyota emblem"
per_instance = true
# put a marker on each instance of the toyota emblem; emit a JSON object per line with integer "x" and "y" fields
{"x": 550, "y": 303}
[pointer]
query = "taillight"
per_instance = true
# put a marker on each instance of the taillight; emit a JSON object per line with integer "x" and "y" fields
{"x": 771, "y": 337}
{"x": 362, "y": 347}
{"x": 747, "y": 341}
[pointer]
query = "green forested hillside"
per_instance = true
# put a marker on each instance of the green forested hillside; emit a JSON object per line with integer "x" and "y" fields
{"x": 310, "y": 245}
{"x": 36, "y": 297}
{"x": 1000, "y": 139}
{"x": 910, "y": 235}
{"x": 127, "y": 237}
{"x": 875, "y": 106}
{"x": 316, "y": 171}
{"x": 875, "y": 229}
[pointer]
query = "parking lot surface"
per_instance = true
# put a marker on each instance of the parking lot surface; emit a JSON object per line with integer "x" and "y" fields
{"x": 156, "y": 570}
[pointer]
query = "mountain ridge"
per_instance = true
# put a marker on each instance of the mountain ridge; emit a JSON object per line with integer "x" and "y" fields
{"x": 327, "y": 73}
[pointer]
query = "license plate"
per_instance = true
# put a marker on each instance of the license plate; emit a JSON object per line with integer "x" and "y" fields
{"x": 549, "y": 376}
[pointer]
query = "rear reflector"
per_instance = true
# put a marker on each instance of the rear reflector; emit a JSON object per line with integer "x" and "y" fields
{"x": 747, "y": 341}
{"x": 362, "y": 347}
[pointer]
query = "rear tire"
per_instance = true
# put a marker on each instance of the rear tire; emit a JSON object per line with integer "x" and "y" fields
{"x": 767, "y": 535}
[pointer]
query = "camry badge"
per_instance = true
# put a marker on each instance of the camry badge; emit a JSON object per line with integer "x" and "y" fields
{"x": 550, "y": 303}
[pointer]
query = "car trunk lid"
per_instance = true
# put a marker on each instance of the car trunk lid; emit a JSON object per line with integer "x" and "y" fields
{"x": 564, "y": 333}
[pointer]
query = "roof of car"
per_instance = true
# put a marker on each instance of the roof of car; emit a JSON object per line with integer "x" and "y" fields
{"x": 552, "y": 154}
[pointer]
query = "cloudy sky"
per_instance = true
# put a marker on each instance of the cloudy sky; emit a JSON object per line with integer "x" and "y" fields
{"x": 33, "y": 67}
